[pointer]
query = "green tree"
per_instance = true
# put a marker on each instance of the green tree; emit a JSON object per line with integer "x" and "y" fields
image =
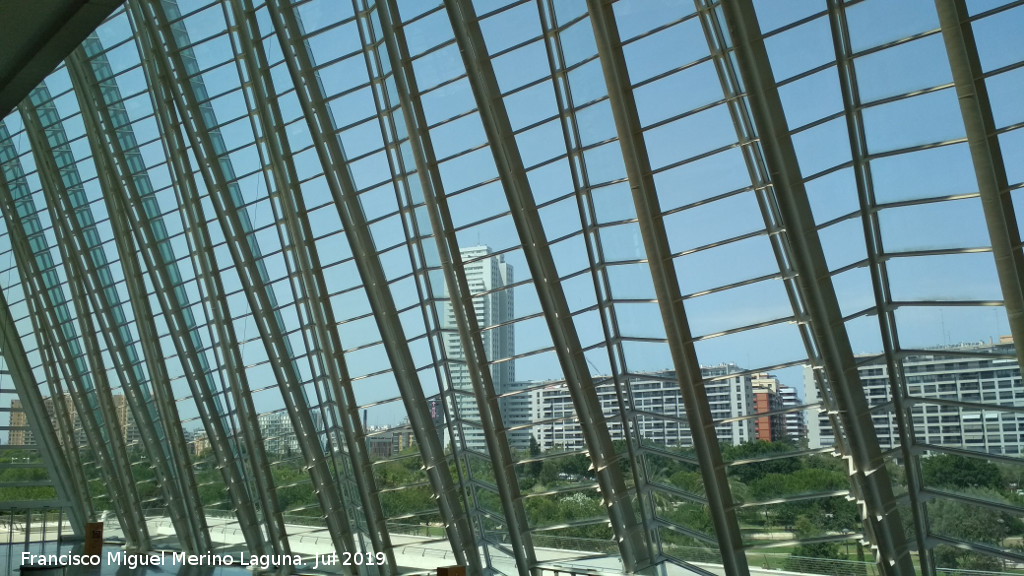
{"x": 954, "y": 471}
{"x": 971, "y": 523}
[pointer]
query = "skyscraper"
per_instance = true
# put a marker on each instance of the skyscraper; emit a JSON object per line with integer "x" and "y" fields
{"x": 488, "y": 278}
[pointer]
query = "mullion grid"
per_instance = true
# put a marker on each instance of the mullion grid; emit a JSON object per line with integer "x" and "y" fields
{"x": 343, "y": 181}
{"x": 374, "y": 185}
{"x": 217, "y": 173}
{"x": 44, "y": 371}
{"x": 359, "y": 371}
{"x": 103, "y": 280}
{"x": 67, "y": 211}
{"x": 836, "y": 354}
{"x": 379, "y": 76}
{"x": 768, "y": 214}
{"x": 470, "y": 225}
{"x": 37, "y": 268}
{"x": 187, "y": 339}
{"x": 507, "y": 155}
{"x": 126, "y": 149}
{"x": 621, "y": 380}
{"x": 754, "y": 161}
{"x": 122, "y": 146}
{"x": 283, "y": 186}
{"x": 461, "y": 303}
{"x": 879, "y": 276}
{"x": 53, "y": 167}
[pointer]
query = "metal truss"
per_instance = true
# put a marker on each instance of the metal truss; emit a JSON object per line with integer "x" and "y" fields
{"x": 62, "y": 419}
{"x": 879, "y": 280}
{"x": 666, "y": 286}
{"x": 986, "y": 153}
{"x": 392, "y": 118}
{"x": 81, "y": 264}
{"x": 130, "y": 201}
{"x": 602, "y": 285}
{"x": 169, "y": 76}
{"x": 343, "y": 190}
{"x": 57, "y": 466}
{"x": 495, "y": 432}
{"x": 630, "y": 535}
{"x": 45, "y": 299}
{"x": 882, "y": 517}
{"x": 284, "y": 182}
{"x": 172, "y": 462}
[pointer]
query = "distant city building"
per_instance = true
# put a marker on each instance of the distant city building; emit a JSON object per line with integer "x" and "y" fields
{"x": 973, "y": 374}
{"x": 794, "y": 420}
{"x": 200, "y": 442}
{"x": 278, "y": 434}
{"x": 488, "y": 277}
{"x": 657, "y": 414}
{"x": 21, "y": 434}
{"x": 389, "y": 442}
{"x": 771, "y": 426}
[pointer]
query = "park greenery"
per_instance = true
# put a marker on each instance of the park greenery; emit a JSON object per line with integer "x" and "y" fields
{"x": 783, "y": 494}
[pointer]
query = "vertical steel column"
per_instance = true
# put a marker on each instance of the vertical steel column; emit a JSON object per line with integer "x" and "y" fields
{"x": 71, "y": 367}
{"x": 882, "y": 517}
{"x": 176, "y": 470}
{"x": 879, "y": 279}
{"x": 285, "y": 180}
{"x": 989, "y": 168}
{"x": 630, "y": 535}
{"x": 333, "y": 160}
{"x": 88, "y": 290}
{"x": 56, "y": 464}
{"x": 666, "y": 286}
{"x": 169, "y": 77}
{"x": 496, "y": 437}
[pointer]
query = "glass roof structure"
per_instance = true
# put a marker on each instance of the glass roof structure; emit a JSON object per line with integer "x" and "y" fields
{"x": 302, "y": 276}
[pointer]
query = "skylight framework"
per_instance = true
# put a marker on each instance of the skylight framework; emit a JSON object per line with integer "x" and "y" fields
{"x": 241, "y": 243}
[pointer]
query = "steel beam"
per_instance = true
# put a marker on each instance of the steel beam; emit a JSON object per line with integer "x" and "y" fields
{"x": 88, "y": 291}
{"x": 630, "y": 535}
{"x": 496, "y": 434}
{"x": 57, "y": 466}
{"x": 237, "y": 382}
{"x": 666, "y": 287}
{"x": 595, "y": 257}
{"x": 987, "y": 156}
{"x": 343, "y": 191}
{"x": 882, "y": 517}
{"x": 62, "y": 419}
{"x": 268, "y": 121}
{"x": 160, "y": 264}
{"x": 173, "y": 468}
{"x": 879, "y": 278}
{"x": 168, "y": 75}
{"x": 72, "y": 368}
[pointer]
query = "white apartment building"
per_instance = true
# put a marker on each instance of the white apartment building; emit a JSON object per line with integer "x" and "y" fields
{"x": 652, "y": 409}
{"x": 973, "y": 374}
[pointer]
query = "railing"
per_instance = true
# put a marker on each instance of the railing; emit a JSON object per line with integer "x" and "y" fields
{"x": 36, "y": 530}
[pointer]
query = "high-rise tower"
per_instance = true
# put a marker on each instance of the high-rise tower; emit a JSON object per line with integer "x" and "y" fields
{"x": 488, "y": 278}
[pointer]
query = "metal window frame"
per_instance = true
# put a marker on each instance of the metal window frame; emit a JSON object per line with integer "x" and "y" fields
{"x": 631, "y": 537}
{"x": 166, "y": 73}
{"x": 56, "y": 352}
{"x": 309, "y": 276}
{"x": 343, "y": 191}
{"x": 881, "y": 517}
